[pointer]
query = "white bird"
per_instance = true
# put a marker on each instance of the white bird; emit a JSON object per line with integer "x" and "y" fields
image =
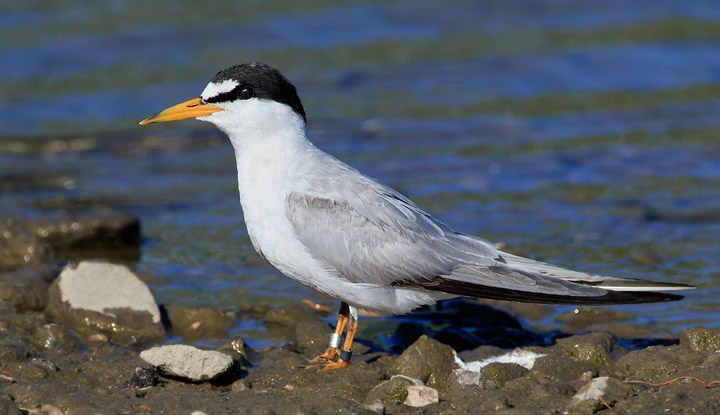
{"x": 326, "y": 225}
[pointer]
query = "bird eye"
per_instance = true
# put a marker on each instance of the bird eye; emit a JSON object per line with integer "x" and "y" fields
{"x": 246, "y": 93}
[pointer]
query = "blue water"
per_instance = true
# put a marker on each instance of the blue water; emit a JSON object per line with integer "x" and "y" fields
{"x": 580, "y": 133}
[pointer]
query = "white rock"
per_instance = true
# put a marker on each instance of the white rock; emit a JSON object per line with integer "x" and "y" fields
{"x": 421, "y": 395}
{"x": 102, "y": 287}
{"x": 187, "y": 362}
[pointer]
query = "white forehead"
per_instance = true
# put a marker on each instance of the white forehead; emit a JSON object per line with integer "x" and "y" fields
{"x": 212, "y": 89}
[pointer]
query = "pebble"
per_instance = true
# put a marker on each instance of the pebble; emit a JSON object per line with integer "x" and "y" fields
{"x": 188, "y": 362}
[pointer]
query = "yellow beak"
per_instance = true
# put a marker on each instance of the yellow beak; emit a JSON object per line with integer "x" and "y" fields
{"x": 187, "y": 109}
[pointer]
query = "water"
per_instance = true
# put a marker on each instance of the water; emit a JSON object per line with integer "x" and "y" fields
{"x": 581, "y": 133}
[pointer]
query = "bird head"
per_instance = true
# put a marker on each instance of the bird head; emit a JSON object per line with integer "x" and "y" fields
{"x": 252, "y": 95}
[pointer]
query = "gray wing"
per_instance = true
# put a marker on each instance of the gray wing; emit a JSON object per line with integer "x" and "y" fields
{"x": 374, "y": 235}
{"x": 369, "y": 233}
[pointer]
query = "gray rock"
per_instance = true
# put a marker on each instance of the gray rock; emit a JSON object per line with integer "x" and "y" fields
{"x": 595, "y": 348}
{"x": 188, "y": 362}
{"x": 501, "y": 373}
{"x": 554, "y": 368}
{"x": 98, "y": 229}
{"x": 392, "y": 391}
{"x": 429, "y": 361}
{"x": 657, "y": 363}
{"x": 98, "y": 296}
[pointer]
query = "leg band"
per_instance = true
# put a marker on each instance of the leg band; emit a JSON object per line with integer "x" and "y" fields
{"x": 345, "y": 355}
{"x": 334, "y": 340}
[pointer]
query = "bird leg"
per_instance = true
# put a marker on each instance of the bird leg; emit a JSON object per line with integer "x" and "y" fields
{"x": 333, "y": 348}
{"x": 346, "y": 350}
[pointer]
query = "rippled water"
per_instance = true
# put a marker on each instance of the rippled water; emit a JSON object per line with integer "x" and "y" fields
{"x": 581, "y": 133}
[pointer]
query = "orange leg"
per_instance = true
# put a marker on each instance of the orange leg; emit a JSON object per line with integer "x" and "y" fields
{"x": 346, "y": 351}
{"x": 332, "y": 351}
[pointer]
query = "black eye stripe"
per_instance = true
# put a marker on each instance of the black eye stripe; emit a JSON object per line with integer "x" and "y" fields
{"x": 265, "y": 82}
{"x": 242, "y": 92}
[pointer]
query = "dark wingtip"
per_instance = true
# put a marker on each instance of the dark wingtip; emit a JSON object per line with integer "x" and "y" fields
{"x": 495, "y": 293}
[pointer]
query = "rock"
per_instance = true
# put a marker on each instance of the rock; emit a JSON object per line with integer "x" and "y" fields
{"x": 142, "y": 378}
{"x": 26, "y": 372}
{"x": 103, "y": 229}
{"x": 19, "y": 248}
{"x": 239, "y": 350}
{"x": 554, "y": 368}
{"x": 46, "y": 364}
{"x": 523, "y": 390}
{"x": 377, "y": 407}
{"x": 98, "y": 296}
{"x": 429, "y": 361}
{"x": 193, "y": 323}
{"x": 701, "y": 339}
{"x": 56, "y": 339}
{"x": 392, "y": 391}
{"x": 594, "y": 348}
{"x": 188, "y": 362}
{"x": 420, "y": 395}
{"x": 500, "y": 373}
{"x": 26, "y": 289}
{"x": 657, "y": 363}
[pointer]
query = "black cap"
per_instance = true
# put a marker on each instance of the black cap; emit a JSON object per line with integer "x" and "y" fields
{"x": 263, "y": 82}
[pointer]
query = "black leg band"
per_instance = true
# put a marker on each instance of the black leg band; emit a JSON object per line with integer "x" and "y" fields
{"x": 345, "y": 355}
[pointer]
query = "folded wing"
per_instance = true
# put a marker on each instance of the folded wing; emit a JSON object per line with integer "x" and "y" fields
{"x": 375, "y": 235}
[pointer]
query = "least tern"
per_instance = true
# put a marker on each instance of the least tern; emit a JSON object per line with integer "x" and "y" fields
{"x": 328, "y": 226}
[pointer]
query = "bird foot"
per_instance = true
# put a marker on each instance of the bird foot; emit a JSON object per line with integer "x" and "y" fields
{"x": 328, "y": 356}
{"x": 334, "y": 365}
